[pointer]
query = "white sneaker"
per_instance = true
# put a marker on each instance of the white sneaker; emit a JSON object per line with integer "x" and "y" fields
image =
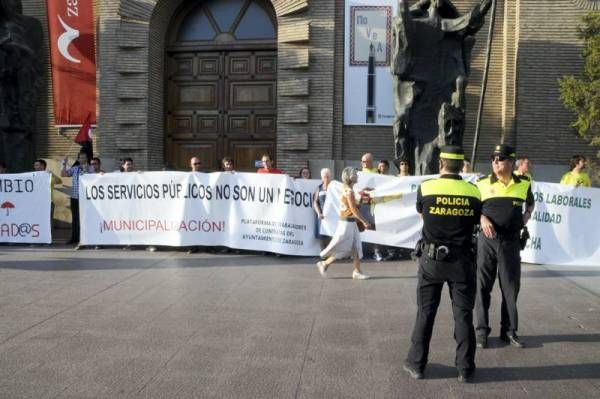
{"x": 377, "y": 255}
{"x": 321, "y": 266}
{"x": 359, "y": 276}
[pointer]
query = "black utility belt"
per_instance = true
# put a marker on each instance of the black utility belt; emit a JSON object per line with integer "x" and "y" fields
{"x": 351, "y": 219}
{"x": 435, "y": 251}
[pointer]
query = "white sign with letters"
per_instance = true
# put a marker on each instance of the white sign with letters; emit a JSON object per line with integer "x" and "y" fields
{"x": 274, "y": 213}
{"x": 564, "y": 226}
{"x": 25, "y": 208}
{"x": 240, "y": 210}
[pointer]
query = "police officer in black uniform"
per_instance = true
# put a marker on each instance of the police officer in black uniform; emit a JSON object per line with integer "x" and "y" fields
{"x": 498, "y": 246}
{"x": 450, "y": 208}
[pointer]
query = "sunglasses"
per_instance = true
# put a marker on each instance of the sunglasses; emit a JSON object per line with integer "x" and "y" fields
{"x": 197, "y": 164}
{"x": 499, "y": 158}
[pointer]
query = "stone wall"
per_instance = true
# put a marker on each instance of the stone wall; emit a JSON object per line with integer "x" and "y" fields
{"x": 548, "y": 49}
{"x": 535, "y": 42}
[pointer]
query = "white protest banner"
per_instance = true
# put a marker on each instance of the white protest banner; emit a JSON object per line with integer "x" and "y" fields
{"x": 368, "y": 94}
{"x": 564, "y": 227}
{"x": 393, "y": 209}
{"x": 239, "y": 210}
{"x": 396, "y": 221}
{"x": 25, "y": 208}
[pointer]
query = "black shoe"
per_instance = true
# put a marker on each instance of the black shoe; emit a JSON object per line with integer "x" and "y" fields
{"x": 512, "y": 339}
{"x": 465, "y": 377}
{"x": 413, "y": 372}
{"x": 481, "y": 341}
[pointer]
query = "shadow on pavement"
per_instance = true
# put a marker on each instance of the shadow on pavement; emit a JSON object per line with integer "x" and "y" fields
{"x": 375, "y": 278}
{"x": 114, "y": 258}
{"x": 538, "y": 341}
{"x": 542, "y": 273}
{"x": 147, "y": 261}
{"x": 587, "y": 371}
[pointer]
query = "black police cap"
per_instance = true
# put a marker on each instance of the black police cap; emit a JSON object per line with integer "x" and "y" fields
{"x": 504, "y": 150}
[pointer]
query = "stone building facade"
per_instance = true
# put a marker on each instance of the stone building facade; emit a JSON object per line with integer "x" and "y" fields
{"x": 534, "y": 43}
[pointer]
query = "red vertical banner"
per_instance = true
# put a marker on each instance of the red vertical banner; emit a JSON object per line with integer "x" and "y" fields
{"x": 72, "y": 51}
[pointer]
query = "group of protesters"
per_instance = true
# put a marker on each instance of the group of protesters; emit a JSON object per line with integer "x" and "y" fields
{"x": 576, "y": 176}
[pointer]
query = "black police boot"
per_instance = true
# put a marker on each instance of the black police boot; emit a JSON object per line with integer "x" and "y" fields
{"x": 412, "y": 371}
{"x": 512, "y": 339}
{"x": 481, "y": 341}
{"x": 465, "y": 376}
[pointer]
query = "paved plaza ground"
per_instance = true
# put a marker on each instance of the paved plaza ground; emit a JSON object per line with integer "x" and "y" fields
{"x": 134, "y": 324}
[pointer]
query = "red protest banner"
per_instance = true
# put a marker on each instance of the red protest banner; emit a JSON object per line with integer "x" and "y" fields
{"x": 72, "y": 51}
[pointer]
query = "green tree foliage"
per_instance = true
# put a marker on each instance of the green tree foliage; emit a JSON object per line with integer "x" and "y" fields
{"x": 582, "y": 95}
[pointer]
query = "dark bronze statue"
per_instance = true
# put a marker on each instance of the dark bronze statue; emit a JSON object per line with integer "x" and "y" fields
{"x": 21, "y": 69}
{"x": 431, "y": 57}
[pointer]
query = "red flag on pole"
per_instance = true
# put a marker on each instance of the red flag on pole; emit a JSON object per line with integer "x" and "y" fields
{"x": 72, "y": 50}
{"x": 84, "y": 132}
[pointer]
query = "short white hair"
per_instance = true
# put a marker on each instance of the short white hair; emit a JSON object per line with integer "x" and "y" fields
{"x": 519, "y": 161}
{"x": 349, "y": 174}
{"x": 325, "y": 172}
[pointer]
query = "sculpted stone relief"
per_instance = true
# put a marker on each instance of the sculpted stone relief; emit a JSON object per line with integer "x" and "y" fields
{"x": 431, "y": 57}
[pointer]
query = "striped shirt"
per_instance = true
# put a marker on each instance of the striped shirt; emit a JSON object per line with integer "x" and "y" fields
{"x": 75, "y": 172}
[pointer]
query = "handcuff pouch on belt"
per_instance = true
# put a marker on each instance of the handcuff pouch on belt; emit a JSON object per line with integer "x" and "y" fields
{"x": 432, "y": 251}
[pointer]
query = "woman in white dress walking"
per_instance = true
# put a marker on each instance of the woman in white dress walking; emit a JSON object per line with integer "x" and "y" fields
{"x": 346, "y": 239}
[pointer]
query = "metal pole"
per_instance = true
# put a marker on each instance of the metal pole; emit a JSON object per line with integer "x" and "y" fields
{"x": 484, "y": 82}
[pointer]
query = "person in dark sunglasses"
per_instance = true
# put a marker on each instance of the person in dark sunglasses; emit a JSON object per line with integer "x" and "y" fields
{"x": 498, "y": 245}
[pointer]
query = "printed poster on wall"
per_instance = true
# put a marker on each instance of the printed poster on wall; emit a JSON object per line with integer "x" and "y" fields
{"x": 368, "y": 94}
{"x": 25, "y": 208}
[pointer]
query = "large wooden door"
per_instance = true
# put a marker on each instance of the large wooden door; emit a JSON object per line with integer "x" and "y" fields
{"x": 220, "y": 104}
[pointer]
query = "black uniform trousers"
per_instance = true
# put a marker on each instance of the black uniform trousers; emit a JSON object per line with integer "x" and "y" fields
{"x": 75, "y": 220}
{"x": 498, "y": 256}
{"x": 460, "y": 276}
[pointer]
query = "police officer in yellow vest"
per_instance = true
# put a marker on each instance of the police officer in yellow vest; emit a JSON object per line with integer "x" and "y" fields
{"x": 450, "y": 208}
{"x": 498, "y": 246}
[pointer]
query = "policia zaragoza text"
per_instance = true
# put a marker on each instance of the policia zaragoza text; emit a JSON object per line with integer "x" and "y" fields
{"x": 447, "y": 206}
